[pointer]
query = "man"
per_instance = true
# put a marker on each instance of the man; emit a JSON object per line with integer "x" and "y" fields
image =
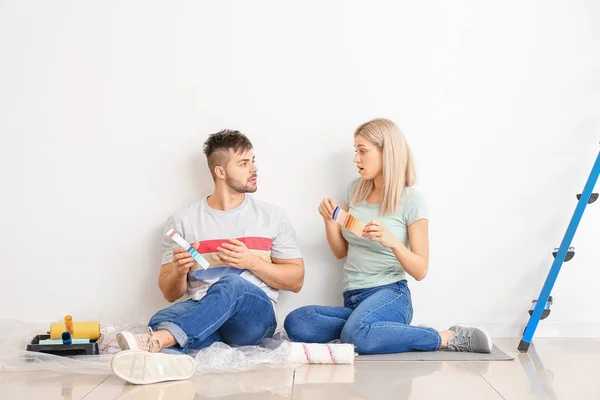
{"x": 252, "y": 250}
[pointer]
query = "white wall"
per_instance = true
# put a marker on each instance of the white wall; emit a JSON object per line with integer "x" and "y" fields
{"x": 104, "y": 107}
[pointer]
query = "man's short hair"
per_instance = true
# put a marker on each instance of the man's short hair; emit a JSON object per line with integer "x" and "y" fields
{"x": 217, "y": 146}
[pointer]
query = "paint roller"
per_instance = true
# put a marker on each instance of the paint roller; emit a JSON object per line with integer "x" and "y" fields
{"x": 322, "y": 353}
{"x": 78, "y": 330}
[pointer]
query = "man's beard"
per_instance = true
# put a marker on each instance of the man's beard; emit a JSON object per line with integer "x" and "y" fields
{"x": 240, "y": 187}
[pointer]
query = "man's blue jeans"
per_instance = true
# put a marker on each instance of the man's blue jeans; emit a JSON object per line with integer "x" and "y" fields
{"x": 376, "y": 320}
{"x": 233, "y": 311}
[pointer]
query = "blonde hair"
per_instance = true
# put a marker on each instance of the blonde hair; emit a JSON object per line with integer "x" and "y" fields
{"x": 398, "y": 164}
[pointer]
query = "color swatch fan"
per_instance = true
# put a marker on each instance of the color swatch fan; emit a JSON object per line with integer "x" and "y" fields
{"x": 348, "y": 221}
{"x": 188, "y": 247}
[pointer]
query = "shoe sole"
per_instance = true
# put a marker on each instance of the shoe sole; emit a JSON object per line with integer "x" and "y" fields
{"x": 485, "y": 332}
{"x": 143, "y": 368}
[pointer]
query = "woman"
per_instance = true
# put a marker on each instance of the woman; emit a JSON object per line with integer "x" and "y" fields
{"x": 377, "y": 303}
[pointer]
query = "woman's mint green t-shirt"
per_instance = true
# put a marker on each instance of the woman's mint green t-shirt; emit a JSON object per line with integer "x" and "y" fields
{"x": 369, "y": 264}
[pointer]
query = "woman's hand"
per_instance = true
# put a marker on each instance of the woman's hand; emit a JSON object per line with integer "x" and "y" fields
{"x": 333, "y": 231}
{"x": 377, "y": 232}
{"x": 326, "y": 209}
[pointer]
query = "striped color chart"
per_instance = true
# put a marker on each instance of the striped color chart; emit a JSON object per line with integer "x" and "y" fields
{"x": 188, "y": 247}
{"x": 348, "y": 221}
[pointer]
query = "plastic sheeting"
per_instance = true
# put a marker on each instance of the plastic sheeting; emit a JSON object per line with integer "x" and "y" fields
{"x": 16, "y": 335}
{"x": 217, "y": 358}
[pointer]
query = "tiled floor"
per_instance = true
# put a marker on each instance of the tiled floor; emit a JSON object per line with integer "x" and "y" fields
{"x": 553, "y": 369}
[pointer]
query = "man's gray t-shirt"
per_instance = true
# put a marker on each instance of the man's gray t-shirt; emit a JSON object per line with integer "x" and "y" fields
{"x": 262, "y": 227}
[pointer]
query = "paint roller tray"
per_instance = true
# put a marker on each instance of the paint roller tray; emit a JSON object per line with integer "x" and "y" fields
{"x": 65, "y": 350}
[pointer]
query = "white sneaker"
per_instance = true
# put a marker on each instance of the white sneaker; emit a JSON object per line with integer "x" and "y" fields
{"x": 142, "y": 368}
{"x": 142, "y": 341}
{"x": 470, "y": 339}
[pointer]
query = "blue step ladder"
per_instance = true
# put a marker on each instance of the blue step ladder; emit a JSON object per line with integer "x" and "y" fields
{"x": 541, "y": 306}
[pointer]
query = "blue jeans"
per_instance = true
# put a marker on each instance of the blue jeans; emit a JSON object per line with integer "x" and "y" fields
{"x": 233, "y": 311}
{"x": 376, "y": 320}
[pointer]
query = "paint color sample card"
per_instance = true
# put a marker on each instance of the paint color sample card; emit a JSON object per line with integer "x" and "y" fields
{"x": 348, "y": 221}
{"x": 188, "y": 247}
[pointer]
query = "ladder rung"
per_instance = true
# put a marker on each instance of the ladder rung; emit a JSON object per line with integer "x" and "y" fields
{"x": 546, "y": 311}
{"x": 593, "y": 197}
{"x": 568, "y": 257}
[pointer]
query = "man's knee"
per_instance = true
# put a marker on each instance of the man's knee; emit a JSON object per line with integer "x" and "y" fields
{"x": 231, "y": 287}
{"x": 230, "y": 282}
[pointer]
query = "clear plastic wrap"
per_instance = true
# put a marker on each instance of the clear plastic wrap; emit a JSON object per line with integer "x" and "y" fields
{"x": 16, "y": 335}
{"x": 219, "y": 357}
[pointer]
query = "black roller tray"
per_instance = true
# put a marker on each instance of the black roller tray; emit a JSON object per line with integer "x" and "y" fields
{"x": 85, "y": 349}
